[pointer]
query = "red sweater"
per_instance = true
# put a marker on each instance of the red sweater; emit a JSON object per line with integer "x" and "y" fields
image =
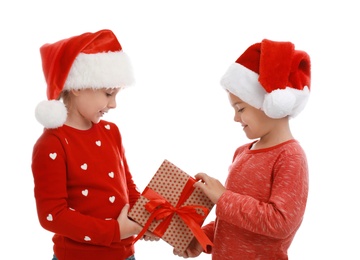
{"x": 263, "y": 207}
{"x": 82, "y": 181}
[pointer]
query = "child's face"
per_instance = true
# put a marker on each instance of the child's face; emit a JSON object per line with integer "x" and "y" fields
{"x": 255, "y": 123}
{"x": 92, "y": 104}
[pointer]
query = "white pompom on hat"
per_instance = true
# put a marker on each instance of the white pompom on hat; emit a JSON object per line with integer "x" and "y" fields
{"x": 271, "y": 76}
{"x": 90, "y": 60}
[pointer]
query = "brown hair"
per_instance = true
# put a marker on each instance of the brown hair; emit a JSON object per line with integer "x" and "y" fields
{"x": 66, "y": 97}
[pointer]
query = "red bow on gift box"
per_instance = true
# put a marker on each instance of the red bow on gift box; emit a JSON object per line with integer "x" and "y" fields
{"x": 192, "y": 215}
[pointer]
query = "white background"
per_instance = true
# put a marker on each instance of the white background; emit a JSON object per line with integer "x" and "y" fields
{"x": 177, "y": 109}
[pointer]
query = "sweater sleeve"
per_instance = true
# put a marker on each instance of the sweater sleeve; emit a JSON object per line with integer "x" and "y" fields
{"x": 282, "y": 213}
{"x": 133, "y": 191}
{"x": 50, "y": 180}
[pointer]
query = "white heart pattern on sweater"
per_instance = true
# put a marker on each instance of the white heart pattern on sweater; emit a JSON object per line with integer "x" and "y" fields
{"x": 85, "y": 192}
{"x": 49, "y": 217}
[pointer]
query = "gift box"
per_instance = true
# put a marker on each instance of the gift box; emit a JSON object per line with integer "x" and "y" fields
{"x": 172, "y": 209}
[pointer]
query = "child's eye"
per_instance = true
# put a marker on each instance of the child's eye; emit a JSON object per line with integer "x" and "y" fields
{"x": 241, "y": 109}
{"x": 111, "y": 92}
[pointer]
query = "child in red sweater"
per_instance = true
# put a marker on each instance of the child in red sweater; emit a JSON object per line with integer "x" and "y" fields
{"x": 83, "y": 186}
{"x": 262, "y": 204}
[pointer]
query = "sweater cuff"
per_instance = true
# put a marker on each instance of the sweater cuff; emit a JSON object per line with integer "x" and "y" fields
{"x": 223, "y": 203}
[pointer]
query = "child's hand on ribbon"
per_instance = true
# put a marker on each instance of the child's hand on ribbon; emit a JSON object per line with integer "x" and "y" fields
{"x": 210, "y": 186}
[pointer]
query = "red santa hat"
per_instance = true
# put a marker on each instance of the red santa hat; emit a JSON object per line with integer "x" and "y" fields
{"x": 90, "y": 60}
{"x": 271, "y": 76}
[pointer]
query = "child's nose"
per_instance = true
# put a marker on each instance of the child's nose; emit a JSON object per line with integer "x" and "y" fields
{"x": 112, "y": 103}
{"x": 237, "y": 118}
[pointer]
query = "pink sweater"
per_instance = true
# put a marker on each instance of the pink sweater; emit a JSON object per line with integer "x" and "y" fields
{"x": 82, "y": 181}
{"x": 263, "y": 207}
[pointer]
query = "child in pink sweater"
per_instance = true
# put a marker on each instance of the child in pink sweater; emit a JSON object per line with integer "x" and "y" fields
{"x": 262, "y": 204}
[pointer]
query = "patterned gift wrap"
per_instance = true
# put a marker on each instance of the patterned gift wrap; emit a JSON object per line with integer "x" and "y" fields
{"x": 172, "y": 208}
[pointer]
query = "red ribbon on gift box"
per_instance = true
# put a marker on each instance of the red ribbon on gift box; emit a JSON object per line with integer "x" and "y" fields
{"x": 161, "y": 209}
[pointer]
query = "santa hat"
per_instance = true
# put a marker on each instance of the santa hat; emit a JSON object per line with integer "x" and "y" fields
{"x": 90, "y": 60}
{"x": 271, "y": 76}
